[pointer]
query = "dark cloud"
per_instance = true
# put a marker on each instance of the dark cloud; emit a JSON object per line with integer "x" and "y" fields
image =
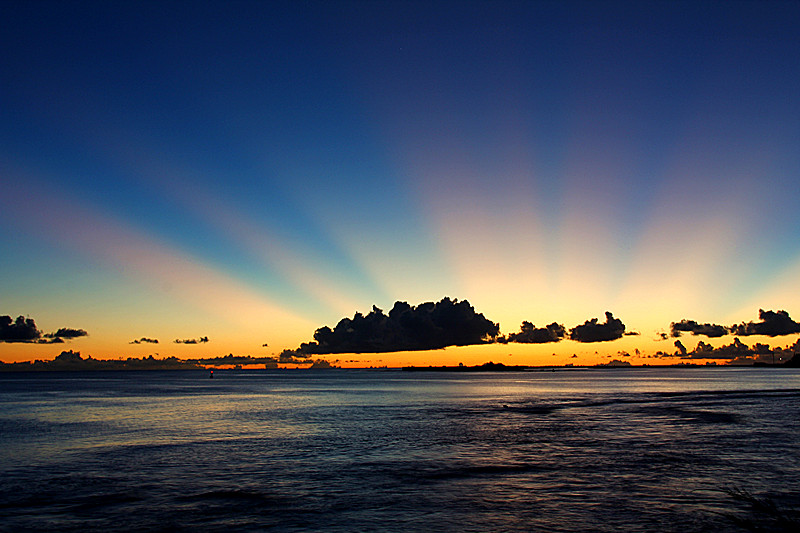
{"x": 631, "y": 333}
{"x": 427, "y": 326}
{"x": 681, "y": 348}
{"x": 737, "y": 349}
{"x": 67, "y": 333}
{"x": 53, "y": 340}
{"x": 191, "y": 341}
{"x": 20, "y": 330}
{"x": 772, "y": 324}
{"x": 591, "y": 331}
{"x": 690, "y": 326}
{"x": 24, "y": 330}
{"x": 530, "y": 334}
{"x": 293, "y": 357}
{"x": 144, "y": 340}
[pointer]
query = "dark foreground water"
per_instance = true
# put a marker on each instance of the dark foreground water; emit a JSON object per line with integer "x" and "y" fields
{"x": 582, "y": 450}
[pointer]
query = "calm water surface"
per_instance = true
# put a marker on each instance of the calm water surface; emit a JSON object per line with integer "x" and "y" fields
{"x": 580, "y": 450}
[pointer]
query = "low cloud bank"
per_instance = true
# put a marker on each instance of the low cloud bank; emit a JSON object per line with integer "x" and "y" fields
{"x": 24, "y": 330}
{"x": 427, "y": 326}
{"x": 738, "y": 352}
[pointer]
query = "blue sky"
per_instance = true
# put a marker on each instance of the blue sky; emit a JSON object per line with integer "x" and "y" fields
{"x": 170, "y": 167}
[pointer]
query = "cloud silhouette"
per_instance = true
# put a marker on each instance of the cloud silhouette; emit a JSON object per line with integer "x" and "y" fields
{"x": 530, "y": 334}
{"x": 144, "y": 340}
{"x": 686, "y": 326}
{"x": 681, "y": 348}
{"x": 191, "y": 341}
{"x": 20, "y": 330}
{"x": 730, "y": 351}
{"x": 294, "y": 357}
{"x": 772, "y": 324}
{"x": 67, "y": 333}
{"x": 591, "y": 331}
{"x": 427, "y": 326}
{"x": 24, "y": 330}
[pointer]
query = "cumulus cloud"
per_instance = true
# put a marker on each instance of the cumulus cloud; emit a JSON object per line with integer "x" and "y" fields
{"x": 530, "y": 334}
{"x": 427, "y": 326}
{"x": 772, "y": 324}
{"x": 24, "y": 330}
{"x": 201, "y": 340}
{"x": 20, "y": 330}
{"x": 690, "y": 326}
{"x": 591, "y": 331}
{"x": 144, "y": 340}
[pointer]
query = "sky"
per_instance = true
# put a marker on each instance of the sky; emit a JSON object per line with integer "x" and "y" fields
{"x": 252, "y": 171}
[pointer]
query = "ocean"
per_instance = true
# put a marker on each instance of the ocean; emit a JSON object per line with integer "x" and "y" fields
{"x": 645, "y": 449}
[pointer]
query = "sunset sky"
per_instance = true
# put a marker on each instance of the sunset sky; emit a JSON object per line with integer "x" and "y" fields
{"x": 252, "y": 171}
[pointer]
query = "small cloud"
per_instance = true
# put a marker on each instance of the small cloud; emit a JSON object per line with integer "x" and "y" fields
{"x": 631, "y": 333}
{"x": 201, "y": 340}
{"x": 53, "y": 340}
{"x": 591, "y": 331}
{"x": 772, "y": 324}
{"x": 294, "y": 357}
{"x": 686, "y": 326}
{"x": 67, "y": 333}
{"x": 681, "y": 348}
{"x": 530, "y": 334}
{"x": 144, "y": 340}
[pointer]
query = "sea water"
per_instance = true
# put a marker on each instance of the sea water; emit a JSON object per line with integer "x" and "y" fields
{"x": 649, "y": 449}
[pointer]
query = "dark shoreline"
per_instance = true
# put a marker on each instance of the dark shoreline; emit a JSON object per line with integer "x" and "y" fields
{"x": 14, "y": 368}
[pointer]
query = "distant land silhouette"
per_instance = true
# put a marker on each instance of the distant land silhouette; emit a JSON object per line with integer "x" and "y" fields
{"x": 73, "y": 361}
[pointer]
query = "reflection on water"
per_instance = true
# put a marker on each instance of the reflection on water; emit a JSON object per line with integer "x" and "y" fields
{"x": 599, "y": 450}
